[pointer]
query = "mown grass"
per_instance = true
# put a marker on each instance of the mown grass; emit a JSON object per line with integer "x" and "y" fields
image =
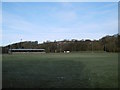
{"x": 59, "y": 70}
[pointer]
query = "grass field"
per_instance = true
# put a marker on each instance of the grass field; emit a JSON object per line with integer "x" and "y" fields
{"x": 59, "y": 70}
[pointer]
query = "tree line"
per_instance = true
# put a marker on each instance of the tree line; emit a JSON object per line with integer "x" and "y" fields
{"x": 107, "y": 43}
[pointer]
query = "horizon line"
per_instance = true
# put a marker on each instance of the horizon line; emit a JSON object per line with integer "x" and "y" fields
{"x": 57, "y": 40}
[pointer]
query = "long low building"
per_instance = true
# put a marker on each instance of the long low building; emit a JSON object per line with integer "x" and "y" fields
{"x": 26, "y": 50}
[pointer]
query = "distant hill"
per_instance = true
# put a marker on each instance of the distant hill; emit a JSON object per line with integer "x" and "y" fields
{"x": 106, "y": 43}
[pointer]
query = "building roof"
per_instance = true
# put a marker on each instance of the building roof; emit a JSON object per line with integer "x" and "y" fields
{"x": 26, "y": 49}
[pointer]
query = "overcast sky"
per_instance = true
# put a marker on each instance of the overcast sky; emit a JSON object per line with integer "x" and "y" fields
{"x": 57, "y": 21}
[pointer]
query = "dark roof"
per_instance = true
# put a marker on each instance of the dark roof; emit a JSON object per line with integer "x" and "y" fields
{"x": 26, "y": 49}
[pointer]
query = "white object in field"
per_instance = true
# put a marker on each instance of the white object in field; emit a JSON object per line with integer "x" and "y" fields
{"x": 66, "y": 51}
{"x": 60, "y": 78}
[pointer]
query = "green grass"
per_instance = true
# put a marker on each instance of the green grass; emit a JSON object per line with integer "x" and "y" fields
{"x": 59, "y": 70}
